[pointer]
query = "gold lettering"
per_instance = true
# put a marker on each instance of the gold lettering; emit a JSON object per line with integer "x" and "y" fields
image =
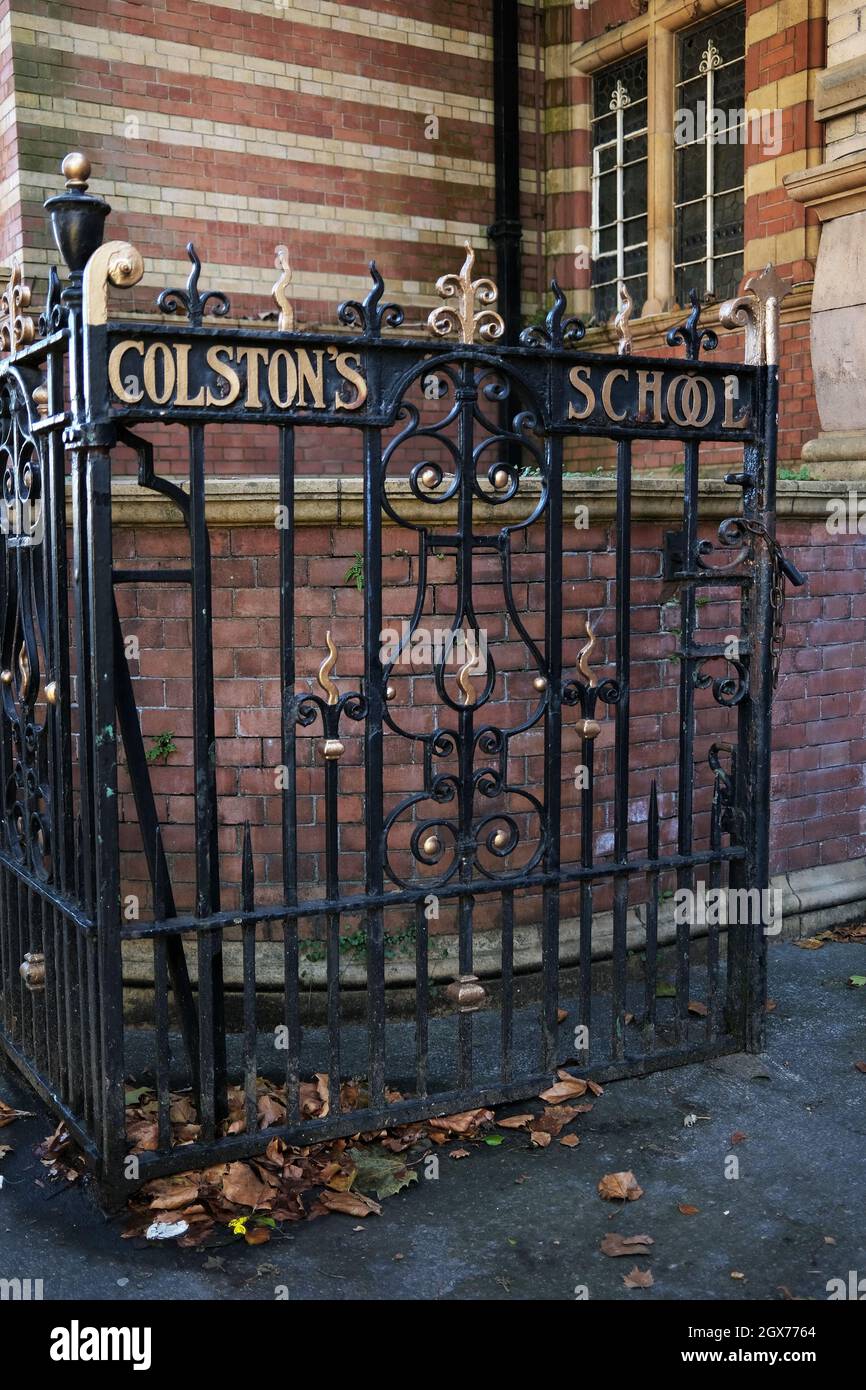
{"x": 226, "y": 373}
{"x": 649, "y": 384}
{"x": 732, "y": 421}
{"x": 311, "y": 376}
{"x": 282, "y": 402}
{"x": 355, "y": 379}
{"x": 182, "y": 351}
{"x": 114, "y": 364}
{"x": 254, "y": 357}
{"x": 168, "y": 373}
{"x": 618, "y": 372}
{"x": 689, "y": 411}
{"x": 585, "y": 390}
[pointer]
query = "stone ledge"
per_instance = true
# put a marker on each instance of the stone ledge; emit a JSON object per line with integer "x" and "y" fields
{"x": 834, "y": 189}
{"x": 841, "y": 88}
{"x": 239, "y": 502}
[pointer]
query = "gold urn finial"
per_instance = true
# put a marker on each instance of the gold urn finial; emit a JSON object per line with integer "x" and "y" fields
{"x": 76, "y": 170}
{"x": 466, "y": 320}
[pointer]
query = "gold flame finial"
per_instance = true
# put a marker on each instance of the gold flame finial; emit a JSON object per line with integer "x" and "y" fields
{"x": 465, "y": 320}
{"x": 622, "y": 321}
{"x": 586, "y": 652}
{"x": 323, "y": 678}
{"x": 286, "y": 321}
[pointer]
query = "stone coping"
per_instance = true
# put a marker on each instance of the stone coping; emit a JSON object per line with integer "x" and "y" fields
{"x": 332, "y": 501}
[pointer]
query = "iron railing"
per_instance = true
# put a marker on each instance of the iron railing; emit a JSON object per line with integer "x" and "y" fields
{"x": 463, "y": 446}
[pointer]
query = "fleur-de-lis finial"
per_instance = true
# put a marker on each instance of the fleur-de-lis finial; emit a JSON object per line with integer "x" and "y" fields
{"x": 370, "y": 314}
{"x": 623, "y": 320}
{"x": 173, "y": 301}
{"x": 710, "y": 58}
{"x": 558, "y": 331}
{"x": 286, "y": 320}
{"x": 17, "y": 329}
{"x": 466, "y": 320}
{"x": 690, "y": 333}
{"x": 620, "y": 98}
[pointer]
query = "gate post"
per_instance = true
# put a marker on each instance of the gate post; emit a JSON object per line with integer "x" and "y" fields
{"x": 78, "y": 221}
{"x": 747, "y": 941}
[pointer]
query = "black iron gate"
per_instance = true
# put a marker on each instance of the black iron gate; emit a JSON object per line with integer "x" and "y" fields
{"x": 464, "y": 447}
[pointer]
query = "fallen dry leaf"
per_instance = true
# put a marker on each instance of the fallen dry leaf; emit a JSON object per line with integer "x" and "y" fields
{"x": 809, "y": 943}
{"x": 350, "y": 1203}
{"x": 696, "y": 1007}
{"x": 555, "y": 1118}
{"x": 539, "y": 1138}
{"x": 569, "y": 1141}
{"x": 770, "y": 1005}
{"x": 467, "y": 1122}
{"x": 860, "y": 1066}
{"x": 624, "y": 1245}
{"x": 243, "y": 1188}
{"x": 257, "y": 1236}
{"x": 515, "y": 1121}
{"x": 459, "y": 1153}
{"x": 738, "y": 1136}
{"x": 561, "y": 1015}
{"x": 687, "y": 1209}
{"x": 8, "y": 1114}
{"x": 638, "y": 1279}
{"x": 565, "y": 1090}
{"x": 619, "y": 1187}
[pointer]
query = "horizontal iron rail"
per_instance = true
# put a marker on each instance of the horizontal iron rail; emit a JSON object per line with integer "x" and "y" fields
{"x": 72, "y": 1121}
{"x": 357, "y": 902}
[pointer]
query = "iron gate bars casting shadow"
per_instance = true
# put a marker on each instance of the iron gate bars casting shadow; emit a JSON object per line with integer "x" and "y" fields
{"x": 463, "y": 446}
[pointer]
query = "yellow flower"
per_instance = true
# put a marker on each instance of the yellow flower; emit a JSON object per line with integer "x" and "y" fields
{"x": 238, "y": 1226}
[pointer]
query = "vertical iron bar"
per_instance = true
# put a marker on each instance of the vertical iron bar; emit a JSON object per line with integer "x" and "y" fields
{"x": 652, "y": 923}
{"x": 552, "y": 752}
{"x": 685, "y": 796}
{"x": 105, "y": 847}
{"x": 621, "y": 748}
{"x": 373, "y": 755}
{"x": 248, "y": 929}
{"x": 422, "y": 995}
{"x": 507, "y": 973}
{"x": 212, "y": 1042}
{"x": 289, "y": 820}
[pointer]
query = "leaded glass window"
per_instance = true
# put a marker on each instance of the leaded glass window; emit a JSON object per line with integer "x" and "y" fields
{"x": 710, "y": 128}
{"x": 619, "y": 185}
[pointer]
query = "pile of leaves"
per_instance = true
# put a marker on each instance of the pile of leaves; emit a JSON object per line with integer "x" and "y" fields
{"x": 857, "y": 932}
{"x": 255, "y": 1197}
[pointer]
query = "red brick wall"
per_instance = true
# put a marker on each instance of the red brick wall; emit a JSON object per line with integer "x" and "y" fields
{"x": 818, "y": 797}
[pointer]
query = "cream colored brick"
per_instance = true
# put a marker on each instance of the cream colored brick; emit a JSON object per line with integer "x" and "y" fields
{"x": 762, "y": 25}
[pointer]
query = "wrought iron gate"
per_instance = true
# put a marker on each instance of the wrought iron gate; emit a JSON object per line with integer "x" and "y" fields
{"x": 464, "y": 445}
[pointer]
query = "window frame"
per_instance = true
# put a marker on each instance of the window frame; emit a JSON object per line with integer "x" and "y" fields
{"x": 707, "y": 71}
{"x": 620, "y": 100}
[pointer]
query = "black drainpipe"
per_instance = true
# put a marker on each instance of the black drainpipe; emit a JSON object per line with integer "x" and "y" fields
{"x": 506, "y": 232}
